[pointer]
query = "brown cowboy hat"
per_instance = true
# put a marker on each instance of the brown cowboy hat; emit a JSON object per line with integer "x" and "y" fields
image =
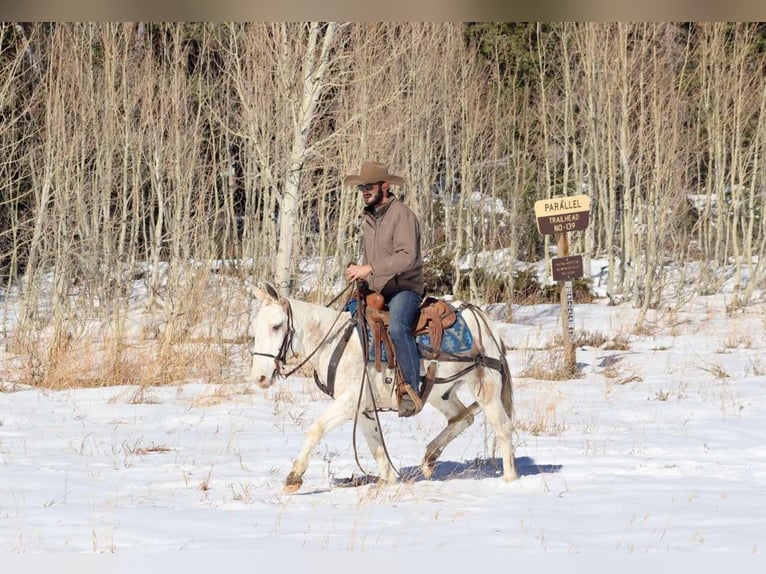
{"x": 373, "y": 172}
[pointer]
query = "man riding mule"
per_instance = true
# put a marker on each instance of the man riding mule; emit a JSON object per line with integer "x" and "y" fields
{"x": 288, "y": 334}
{"x": 392, "y": 266}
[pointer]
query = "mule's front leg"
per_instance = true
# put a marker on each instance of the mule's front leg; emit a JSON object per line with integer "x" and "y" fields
{"x": 338, "y": 413}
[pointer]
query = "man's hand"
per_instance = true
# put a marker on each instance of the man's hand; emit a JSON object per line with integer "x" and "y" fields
{"x": 354, "y": 272}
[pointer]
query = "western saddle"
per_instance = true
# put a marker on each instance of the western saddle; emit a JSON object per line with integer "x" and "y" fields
{"x": 435, "y": 316}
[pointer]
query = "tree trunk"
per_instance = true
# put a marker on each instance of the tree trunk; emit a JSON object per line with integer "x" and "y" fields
{"x": 315, "y": 64}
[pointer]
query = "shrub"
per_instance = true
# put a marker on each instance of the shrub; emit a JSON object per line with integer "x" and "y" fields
{"x": 437, "y": 270}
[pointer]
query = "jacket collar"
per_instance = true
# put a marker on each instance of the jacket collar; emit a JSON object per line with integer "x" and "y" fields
{"x": 379, "y": 211}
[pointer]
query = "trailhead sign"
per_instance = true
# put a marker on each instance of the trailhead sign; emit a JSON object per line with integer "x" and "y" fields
{"x": 558, "y": 216}
{"x": 562, "y": 214}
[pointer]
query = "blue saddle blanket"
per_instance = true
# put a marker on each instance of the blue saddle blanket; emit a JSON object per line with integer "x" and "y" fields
{"x": 455, "y": 339}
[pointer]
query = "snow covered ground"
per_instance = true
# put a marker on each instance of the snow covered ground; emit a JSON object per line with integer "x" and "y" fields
{"x": 657, "y": 446}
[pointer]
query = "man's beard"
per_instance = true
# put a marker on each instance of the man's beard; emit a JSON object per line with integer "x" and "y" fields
{"x": 376, "y": 199}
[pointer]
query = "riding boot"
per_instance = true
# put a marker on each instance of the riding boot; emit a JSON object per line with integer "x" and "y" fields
{"x": 410, "y": 402}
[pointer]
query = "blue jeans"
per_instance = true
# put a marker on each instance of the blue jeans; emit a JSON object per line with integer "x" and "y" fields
{"x": 404, "y": 307}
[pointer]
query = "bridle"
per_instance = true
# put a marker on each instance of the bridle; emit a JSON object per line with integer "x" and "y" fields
{"x": 280, "y": 359}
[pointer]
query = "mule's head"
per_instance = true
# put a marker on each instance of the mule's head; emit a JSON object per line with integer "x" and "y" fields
{"x": 271, "y": 331}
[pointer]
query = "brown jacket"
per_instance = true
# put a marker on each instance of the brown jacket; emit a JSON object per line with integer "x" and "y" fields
{"x": 392, "y": 248}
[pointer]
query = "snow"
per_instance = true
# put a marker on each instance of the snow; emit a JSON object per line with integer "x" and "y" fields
{"x": 656, "y": 446}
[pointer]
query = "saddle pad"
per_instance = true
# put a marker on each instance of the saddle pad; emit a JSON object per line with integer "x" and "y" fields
{"x": 456, "y": 339}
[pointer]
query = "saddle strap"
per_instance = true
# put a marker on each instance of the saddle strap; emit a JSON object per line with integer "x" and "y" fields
{"x": 381, "y": 339}
{"x": 378, "y": 335}
{"x": 337, "y": 354}
{"x": 428, "y": 381}
{"x": 434, "y": 326}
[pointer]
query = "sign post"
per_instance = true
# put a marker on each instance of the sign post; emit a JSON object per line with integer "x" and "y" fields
{"x": 558, "y": 216}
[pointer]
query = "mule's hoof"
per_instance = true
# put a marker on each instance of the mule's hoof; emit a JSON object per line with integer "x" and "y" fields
{"x": 389, "y": 478}
{"x": 509, "y": 474}
{"x": 293, "y": 483}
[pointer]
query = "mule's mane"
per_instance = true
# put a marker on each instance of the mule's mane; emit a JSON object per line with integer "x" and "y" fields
{"x": 316, "y": 320}
{"x": 302, "y": 309}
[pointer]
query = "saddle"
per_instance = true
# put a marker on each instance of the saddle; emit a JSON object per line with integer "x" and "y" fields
{"x": 435, "y": 316}
{"x": 433, "y": 328}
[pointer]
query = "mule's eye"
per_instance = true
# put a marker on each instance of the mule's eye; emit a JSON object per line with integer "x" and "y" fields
{"x": 276, "y": 328}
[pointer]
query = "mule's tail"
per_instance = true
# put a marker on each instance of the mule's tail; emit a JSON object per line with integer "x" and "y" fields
{"x": 506, "y": 388}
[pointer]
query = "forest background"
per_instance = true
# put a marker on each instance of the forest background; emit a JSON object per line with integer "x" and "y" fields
{"x": 171, "y": 157}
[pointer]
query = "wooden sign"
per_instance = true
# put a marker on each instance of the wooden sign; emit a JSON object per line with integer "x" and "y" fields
{"x": 567, "y": 268}
{"x": 562, "y": 214}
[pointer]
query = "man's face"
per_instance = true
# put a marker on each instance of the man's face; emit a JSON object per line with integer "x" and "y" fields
{"x": 372, "y": 193}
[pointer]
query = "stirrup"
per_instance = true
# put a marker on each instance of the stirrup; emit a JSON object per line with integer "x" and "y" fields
{"x": 410, "y": 402}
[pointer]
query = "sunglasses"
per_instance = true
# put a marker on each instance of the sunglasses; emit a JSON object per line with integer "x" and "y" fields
{"x": 367, "y": 186}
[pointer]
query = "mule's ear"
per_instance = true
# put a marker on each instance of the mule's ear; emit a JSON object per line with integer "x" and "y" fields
{"x": 259, "y": 294}
{"x": 271, "y": 290}
{"x": 253, "y": 290}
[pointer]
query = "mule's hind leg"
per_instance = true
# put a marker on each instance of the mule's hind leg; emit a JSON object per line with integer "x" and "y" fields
{"x": 502, "y": 425}
{"x": 338, "y": 412}
{"x": 459, "y": 417}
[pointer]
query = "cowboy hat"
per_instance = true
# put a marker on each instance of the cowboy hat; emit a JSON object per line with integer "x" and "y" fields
{"x": 373, "y": 172}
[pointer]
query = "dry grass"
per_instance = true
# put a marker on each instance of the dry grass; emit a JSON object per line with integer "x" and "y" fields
{"x": 140, "y": 450}
{"x": 90, "y": 361}
{"x": 756, "y": 367}
{"x": 10, "y": 387}
{"x": 283, "y": 394}
{"x": 620, "y": 342}
{"x": 140, "y": 396}
{"x": 611, "y": 372}
{"x": 599, "y": 340}
{"x": 221, "y": 394}
{"x": 543, "y": 420}
{"x": 644, "y": 329}
{"x": 589, "y": 339}
{"x": 630, "y": 379}
{"x": 195, "y": 328}
{"x": 736, "y": 305}
{"x": 716, "y": 370}
{"x": 548, "y": 366}
{"x": 736, "y": 340}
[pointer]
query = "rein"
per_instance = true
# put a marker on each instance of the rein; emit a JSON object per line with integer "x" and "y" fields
{"x": 362, "y": 328}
